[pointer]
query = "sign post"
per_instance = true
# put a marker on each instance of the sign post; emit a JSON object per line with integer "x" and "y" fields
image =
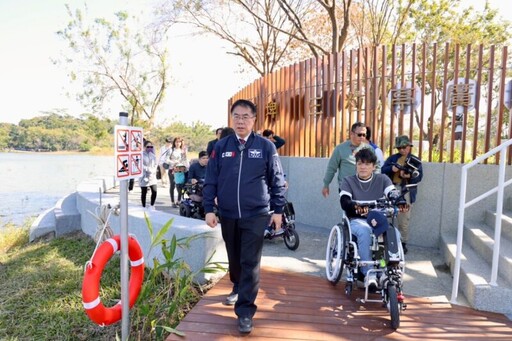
{"x": 128, "y": 154}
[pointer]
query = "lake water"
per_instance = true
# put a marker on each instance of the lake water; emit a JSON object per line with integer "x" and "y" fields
{"x": 34, "y": 182}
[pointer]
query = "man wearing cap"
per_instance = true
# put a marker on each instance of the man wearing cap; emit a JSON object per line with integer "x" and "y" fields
{"x": 393, "y": 167}
{"x": 365, "y": 185}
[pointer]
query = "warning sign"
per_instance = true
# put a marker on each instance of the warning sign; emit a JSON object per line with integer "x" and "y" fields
{"x": 136, "y": 140}
{"x": 123, "y": 166}
{"x": 136, "y": 162}
{"x": 122, "y": 140}
{"x": 128, "y": 152}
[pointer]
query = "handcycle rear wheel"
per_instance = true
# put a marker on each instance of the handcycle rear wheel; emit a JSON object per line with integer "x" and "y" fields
{"x": 291, "y": 239}
{"x": 333, "y": 256}
{"x": 393, "y": 306}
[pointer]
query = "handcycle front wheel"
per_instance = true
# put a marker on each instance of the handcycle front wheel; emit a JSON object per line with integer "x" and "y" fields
{"x": 393, "y": 306}
{"x": 291, "y": 239}
{"x": 333, "y": 255}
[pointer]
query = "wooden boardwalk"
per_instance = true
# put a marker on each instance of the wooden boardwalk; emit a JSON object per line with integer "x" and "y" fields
{"x": 294, "y": 306}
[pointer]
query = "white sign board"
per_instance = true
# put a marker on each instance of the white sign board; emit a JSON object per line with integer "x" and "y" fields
{"x": 128, "y": 152}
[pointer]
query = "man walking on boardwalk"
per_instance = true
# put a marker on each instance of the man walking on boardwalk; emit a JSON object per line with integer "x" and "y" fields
{"x": 245, "y": 174}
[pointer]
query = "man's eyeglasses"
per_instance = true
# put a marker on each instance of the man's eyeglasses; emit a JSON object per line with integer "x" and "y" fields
{"x": 149, "y": 147}
{"x": 242, "y": 118}
{"x": 403, "y": 147}
{"x": 360, "y": 134}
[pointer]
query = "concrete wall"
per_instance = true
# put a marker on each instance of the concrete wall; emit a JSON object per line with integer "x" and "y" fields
{"x": 88, "y": 199}
{"x": 435, "y": 210}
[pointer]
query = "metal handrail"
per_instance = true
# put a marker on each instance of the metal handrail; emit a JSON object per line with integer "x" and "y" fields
{"x": 499, "y": 210}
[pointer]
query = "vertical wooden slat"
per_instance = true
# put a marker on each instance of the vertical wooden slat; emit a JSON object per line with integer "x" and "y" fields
{"x": 443, "y": 120}
{"x": 454, "y": 108}
{"x": 384, "y": 110}
{"x": 329, "y": 112}
{"x": 366, "y": 84}
{"x": 280, "y": 120}
{"x": 466, "y": 116}
{"x": 375, "y": 120}
{"x": 488, "y": 134}
{"x": 343, "y": 98}
{"x": 477, "y": 102}
{"x": 286, "y": 118}
{"x": 433, "y": 103}
{"x": 307, "y": 114}
{"x": 402, "y": 86}
{"x": 318, "y": 118}
{"x": 501, "y": 99}
{"x": 350, "y": 90}
{"x": 337, "y": 100}
{"x": 392, "y": 125}
{"x": 422, "y": 104}
{"x": 302, "y": 107}
{"x": 413, "y": 84}
{"x": 359, "y": 90}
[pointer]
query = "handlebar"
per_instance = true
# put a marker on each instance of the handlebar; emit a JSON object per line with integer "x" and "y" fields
{"x": 385, "y": 206}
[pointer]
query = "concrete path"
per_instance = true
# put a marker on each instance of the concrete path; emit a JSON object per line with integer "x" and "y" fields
{"x": 426, "y": 274}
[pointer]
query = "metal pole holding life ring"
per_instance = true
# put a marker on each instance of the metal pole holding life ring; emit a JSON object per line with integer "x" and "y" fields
{"x": 94, "y": 308}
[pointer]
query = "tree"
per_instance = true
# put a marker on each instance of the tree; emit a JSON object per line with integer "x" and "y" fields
{"x": 256, "y": 30}
{"x": 115, "y": 58}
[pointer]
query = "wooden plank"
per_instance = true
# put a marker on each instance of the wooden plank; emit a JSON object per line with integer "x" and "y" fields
{"x": 294, "y": 306}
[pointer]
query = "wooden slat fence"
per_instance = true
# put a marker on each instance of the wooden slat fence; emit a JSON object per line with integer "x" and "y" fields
{"x": 453, "y": 101}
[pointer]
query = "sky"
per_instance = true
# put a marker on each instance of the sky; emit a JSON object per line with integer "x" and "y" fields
{"x": 204, "y": 75}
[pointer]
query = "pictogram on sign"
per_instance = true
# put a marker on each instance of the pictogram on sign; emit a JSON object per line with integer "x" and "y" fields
{"x": 136, "y": 164}
{"x": 128, "y": 152}
{"x": 122, "y": 137}
{"x": 123, "y": 169}
{"x": 136, "y": 141}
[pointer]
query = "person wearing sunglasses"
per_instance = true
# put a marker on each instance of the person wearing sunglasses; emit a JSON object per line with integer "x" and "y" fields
{"x": 402, "y": 176}
{"x": 148, "y": 178}
{"x": 343, "y": 158}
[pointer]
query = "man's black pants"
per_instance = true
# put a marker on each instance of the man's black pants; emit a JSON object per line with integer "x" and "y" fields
{"x": 244, "y": 244}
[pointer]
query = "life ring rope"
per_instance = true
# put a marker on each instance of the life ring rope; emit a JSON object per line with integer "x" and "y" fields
{"x": 91, "y": 301}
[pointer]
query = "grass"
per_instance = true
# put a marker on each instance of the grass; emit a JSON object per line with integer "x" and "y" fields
{"x": 40, "y": 290}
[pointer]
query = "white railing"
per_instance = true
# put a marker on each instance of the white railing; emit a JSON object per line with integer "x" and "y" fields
{"x": 499, "y": 210}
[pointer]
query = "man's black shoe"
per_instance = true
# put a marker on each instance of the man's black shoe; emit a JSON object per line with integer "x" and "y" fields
{"x": 231, "y": 299}
{"x": 245, "y": 324}
{"x": 404, "y": 246}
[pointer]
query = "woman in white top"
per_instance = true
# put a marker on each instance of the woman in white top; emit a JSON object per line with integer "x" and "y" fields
{"x": 178, "y": 155}
{"x": 148, "y": 178}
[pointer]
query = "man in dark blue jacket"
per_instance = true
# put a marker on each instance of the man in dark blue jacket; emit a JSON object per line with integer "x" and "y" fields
{"x": 245, "y": 174}
{"x": 401, "y": 176}
{"x": 197, "y": 170}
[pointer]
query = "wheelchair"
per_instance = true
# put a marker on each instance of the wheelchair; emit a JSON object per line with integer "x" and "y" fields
{"x": 387, "y": 266}
{"x": 288, "y": 232}
{"x": 192, "y": 204}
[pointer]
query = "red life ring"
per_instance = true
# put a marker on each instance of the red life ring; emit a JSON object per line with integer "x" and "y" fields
{"x": 96, "y": 311}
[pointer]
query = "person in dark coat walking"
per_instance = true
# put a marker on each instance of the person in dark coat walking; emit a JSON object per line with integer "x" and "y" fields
{"x": 245, "y": 174}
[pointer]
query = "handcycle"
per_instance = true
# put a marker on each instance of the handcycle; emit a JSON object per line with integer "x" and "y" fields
{"x": 192, "y": 204}
{"x": 288, "y": 232}
{"x": 386, "y": 267}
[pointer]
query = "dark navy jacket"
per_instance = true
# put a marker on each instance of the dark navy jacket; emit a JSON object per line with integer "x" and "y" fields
{"x": 247, "y": 180}
{"x": 196, "y": 171}
{"x": 387, "y": 169}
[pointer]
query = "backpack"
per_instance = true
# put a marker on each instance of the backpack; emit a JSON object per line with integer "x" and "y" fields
{"x": 179, "y": 178}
